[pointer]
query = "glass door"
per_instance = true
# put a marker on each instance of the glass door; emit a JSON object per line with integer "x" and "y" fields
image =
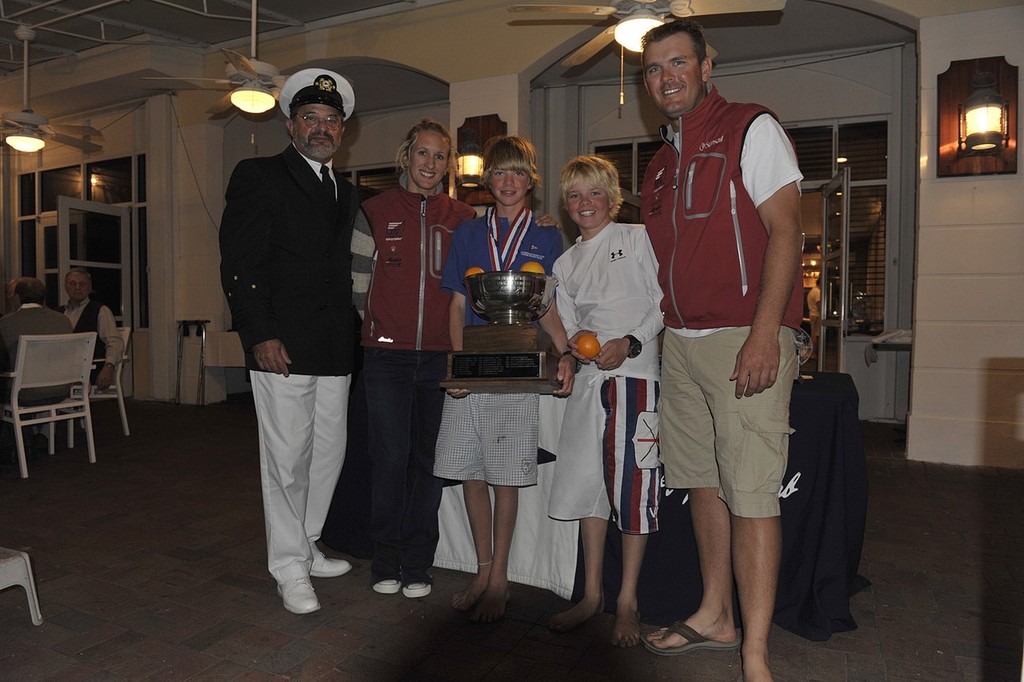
{"x": 96, "y": 237}
{"x": 834, "y": 272}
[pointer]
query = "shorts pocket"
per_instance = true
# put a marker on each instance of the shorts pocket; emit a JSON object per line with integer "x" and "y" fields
{"x": 760, "y": 462}
{"x": 646, "y": 447}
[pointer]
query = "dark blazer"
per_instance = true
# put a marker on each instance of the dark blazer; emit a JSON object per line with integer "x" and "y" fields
{"x": 286, "y": 262}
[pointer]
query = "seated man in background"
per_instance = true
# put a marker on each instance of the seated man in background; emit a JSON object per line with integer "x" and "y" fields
{"x": 87, "y": 315}
{"x": 30, "y": 316}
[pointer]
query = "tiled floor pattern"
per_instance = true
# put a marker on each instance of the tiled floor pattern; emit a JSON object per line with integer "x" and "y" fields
{"x": 150, "y": 565}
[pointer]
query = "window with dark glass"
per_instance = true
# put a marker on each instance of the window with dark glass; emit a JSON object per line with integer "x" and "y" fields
{"x": 66, "y": 182}
{"x": 814, "y": 152}
{"x": 109, "y": 182}
{"x": 863, "y": 145}
{"x": 27, "y": 194}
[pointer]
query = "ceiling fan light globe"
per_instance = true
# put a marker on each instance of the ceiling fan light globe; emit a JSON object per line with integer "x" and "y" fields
{"x": 25, "y": 143}
{"x": 628, "y": 32}
{"x": 252, "y": 100}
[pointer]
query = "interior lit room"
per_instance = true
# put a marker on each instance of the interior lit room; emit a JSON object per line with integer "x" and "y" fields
{"x": 121, "y": 125}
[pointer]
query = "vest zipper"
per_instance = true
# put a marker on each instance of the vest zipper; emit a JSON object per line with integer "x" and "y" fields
{"x": 677, "y": 147}
{"x": 739, "y": 237}
{"x": 424, "y": 249}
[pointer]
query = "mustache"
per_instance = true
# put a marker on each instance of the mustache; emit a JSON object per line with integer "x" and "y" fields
{"x": 325, "y": 136}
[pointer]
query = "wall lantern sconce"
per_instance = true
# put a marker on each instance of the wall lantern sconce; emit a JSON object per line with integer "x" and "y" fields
{"x": 977, "y": 107}
{"x": 471, "y": 158}
{"x": 471, "y": 141}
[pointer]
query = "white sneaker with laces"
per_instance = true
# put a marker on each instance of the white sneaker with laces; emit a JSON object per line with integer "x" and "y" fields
{"x": 298, "y": 596}
{"x": 416, "y": 590}
{"x": 388, "y": 586}
{"x": 328, "y": 568}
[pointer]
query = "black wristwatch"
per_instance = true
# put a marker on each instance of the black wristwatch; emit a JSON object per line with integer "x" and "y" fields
{"x": 634, "y": 346}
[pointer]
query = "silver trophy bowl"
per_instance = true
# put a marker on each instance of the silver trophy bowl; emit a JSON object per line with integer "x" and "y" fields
{"x": 510, "y": 297}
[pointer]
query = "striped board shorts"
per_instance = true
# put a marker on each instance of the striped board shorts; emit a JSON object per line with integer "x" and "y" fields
{"x": 631, "y": 456}
{"x": 607, "y": 463}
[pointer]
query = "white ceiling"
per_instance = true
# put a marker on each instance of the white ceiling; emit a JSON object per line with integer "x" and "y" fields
{"x": 66, "y": 27}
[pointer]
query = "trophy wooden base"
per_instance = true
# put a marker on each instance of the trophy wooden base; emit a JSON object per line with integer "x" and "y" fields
{"x": 504, "y": 359}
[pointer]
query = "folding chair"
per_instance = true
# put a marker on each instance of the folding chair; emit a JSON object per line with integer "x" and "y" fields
{"x": 15, "y": 569}
{"x": 115, "y": 390}
{"x": 51, "y": 360}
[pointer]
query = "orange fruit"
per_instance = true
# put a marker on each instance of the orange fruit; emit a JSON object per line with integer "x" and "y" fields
{"x": 588, "y": 346}
{"x": 473, "y": 271}
{"x": 532, "y": 266}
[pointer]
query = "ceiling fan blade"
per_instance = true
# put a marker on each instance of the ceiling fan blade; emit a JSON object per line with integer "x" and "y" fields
{"x": 77, "y": 131}
{"x": 590, "y": 48}
{"x": 180, "y": 83}
{"x": 221, "y": 105}
{"x": 241, "y": 63}
{"x": 84, "y": 145}
{"x": 701, "y": 7}
{"x": 596, "y": 10}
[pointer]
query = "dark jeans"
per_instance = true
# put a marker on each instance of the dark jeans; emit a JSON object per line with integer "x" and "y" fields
{"x": 404, "y": 402}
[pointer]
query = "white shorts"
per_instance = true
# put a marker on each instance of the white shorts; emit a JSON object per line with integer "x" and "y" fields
{"x": 489, "y": 437}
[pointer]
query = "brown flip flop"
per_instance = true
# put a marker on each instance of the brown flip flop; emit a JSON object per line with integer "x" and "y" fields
{"x": 694, "y": 641}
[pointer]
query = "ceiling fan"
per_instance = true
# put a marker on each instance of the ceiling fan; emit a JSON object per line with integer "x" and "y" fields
{"x": 255, "y": 85}
{"x": 27, "y": 131}
{"x": 637, "y": 17}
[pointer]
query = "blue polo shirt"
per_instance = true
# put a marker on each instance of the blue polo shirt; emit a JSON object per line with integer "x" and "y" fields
{"x": 471, "y": 246}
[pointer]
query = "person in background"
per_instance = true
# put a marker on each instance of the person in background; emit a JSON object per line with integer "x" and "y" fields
{"x": 31, "y": 316}
{"x": 491, "y": 439}
{"x": 814, "y": 313}
{"x": 87, "y": 315}
{"x": 399, "y": 245}
{"x": 721, "y": 202}
{"x": 285, "y": 269}
{"x": 27, "y": 297}
{"x": 608, "y": 464}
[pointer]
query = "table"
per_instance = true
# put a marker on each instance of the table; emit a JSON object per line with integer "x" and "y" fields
{"x": 824, "y": 503}
{"x": 823, "y": 499}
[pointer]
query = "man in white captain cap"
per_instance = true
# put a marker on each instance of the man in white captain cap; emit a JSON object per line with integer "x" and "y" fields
{"x": 285, "y": 269}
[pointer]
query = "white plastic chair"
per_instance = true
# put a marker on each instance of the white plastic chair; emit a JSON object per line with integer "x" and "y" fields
{"x": 15, "y": 569}
{"x": 51, "y": 360}
{"x": 115, "y": 390}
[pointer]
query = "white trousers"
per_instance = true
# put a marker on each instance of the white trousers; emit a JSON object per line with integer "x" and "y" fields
{"x": 302, "y": 428}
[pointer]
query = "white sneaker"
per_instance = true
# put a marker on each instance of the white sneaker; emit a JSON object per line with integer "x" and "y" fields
{"x": 298, "y": 596}
{"x": 328, "y": 568}
{"x": 389, "y": 586}
{"x": 416, "y": 590}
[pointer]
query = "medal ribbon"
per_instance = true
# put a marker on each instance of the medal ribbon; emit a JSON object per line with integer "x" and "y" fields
{"x": 503, "y": 251}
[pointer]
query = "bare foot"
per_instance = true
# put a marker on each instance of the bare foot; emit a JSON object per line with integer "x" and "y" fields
{"x": 578, "y": 614}
{"x": 626, "y": 632}
{"x": 467, "y": 598}
{"x": 491, "y": 606}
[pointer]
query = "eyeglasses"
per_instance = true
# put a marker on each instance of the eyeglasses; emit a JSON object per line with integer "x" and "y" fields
{"x": 313, "y": 121}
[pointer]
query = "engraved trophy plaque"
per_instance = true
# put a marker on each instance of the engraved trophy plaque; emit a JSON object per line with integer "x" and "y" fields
{"x": 511, "y": 354}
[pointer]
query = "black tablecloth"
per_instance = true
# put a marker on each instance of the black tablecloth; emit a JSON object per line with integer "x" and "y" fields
{"x": 824, "y": 502}
{"x": 823, "y": 513}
